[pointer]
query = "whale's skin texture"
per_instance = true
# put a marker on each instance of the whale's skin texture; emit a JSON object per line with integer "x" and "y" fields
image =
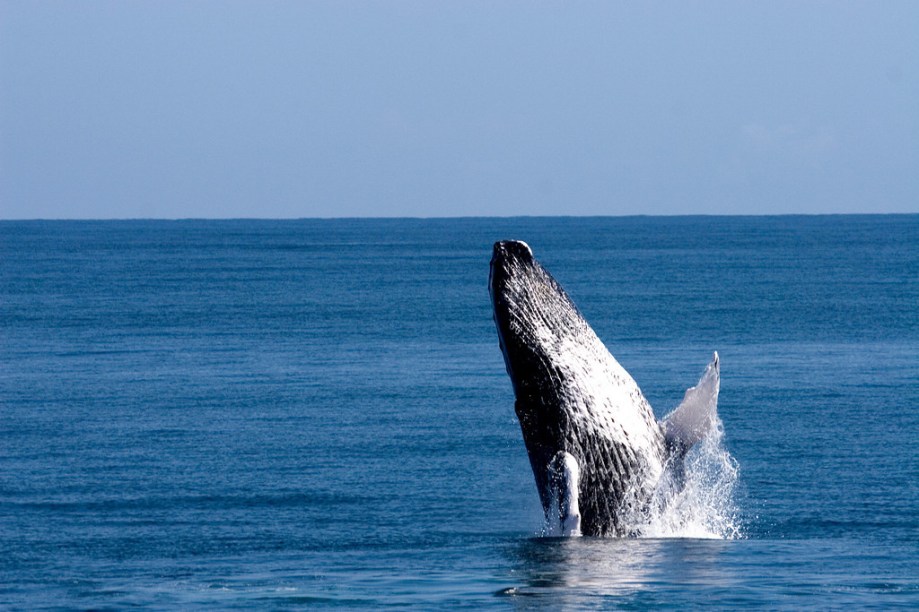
{"x": 573, "y": 399}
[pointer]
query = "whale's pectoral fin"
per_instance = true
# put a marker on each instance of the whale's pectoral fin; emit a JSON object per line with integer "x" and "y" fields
{"x": 563, "y": 518}
{"x": 696, "y": 414}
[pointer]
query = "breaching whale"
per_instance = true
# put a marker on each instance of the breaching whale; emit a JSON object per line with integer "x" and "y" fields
{"x": 600, "y": 458}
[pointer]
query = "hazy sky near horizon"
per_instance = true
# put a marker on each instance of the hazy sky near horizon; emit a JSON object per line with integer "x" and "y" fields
{"x": 315, "y": 109}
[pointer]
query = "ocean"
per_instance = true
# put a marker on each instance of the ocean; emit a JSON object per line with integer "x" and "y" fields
{"x": 315, "y": 413}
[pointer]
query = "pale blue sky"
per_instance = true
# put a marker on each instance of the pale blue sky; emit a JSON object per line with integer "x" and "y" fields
{"x": 304, "y": 109}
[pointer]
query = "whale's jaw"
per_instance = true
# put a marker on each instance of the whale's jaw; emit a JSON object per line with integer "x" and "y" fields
{"x": 573, "y": 399}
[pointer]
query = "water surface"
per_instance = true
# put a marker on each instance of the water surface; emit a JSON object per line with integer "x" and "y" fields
{"x": 311, "y": 413}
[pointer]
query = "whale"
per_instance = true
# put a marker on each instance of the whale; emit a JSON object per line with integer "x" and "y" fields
{"x": 601, "y": 460}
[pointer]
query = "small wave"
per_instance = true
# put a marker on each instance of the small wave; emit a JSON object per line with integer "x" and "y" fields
{"x": 202, "y": 502}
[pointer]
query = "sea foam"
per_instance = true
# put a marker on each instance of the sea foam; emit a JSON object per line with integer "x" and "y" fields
{"x": 704, "y": 506}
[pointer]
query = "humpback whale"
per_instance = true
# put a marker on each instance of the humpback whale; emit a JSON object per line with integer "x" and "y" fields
{"x": 600, "y": 458}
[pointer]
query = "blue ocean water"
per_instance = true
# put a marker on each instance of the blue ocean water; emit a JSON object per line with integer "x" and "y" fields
{"x": 237, "y": 414}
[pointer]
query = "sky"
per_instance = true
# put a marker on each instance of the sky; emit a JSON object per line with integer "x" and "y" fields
{"x": 272, "y": 109}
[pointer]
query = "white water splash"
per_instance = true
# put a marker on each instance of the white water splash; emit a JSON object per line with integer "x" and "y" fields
{"x": 705, "y": 506}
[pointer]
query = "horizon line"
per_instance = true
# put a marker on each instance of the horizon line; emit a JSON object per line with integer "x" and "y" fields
{"x": 452, "y": 217}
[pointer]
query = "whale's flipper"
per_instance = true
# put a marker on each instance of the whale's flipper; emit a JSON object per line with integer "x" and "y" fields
{"x": 564, "y": 478}
{"x": 695, "y": 416}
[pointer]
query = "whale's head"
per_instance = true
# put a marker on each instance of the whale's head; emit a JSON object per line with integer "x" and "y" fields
{"x": 534, "y": 318}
